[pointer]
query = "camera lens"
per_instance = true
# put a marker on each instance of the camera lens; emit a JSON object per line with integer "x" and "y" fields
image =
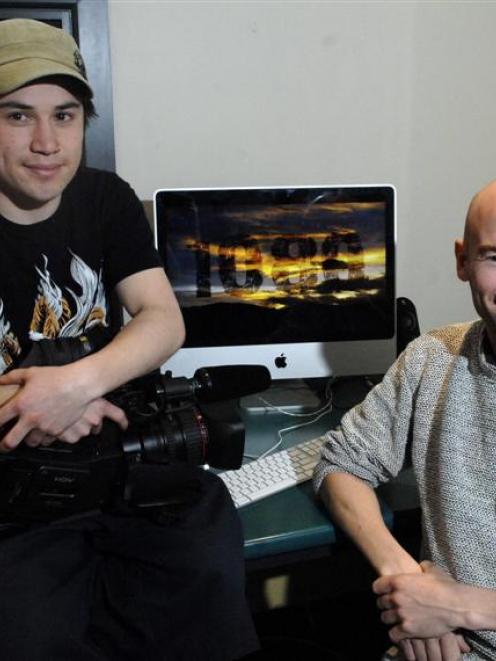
{"x": 176, "y": 436}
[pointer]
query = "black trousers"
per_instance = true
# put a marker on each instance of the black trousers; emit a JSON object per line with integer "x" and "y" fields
{"x": 123, "y": 587}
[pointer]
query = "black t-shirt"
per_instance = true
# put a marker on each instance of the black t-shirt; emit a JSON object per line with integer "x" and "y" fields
{"x": 56, "y": 276}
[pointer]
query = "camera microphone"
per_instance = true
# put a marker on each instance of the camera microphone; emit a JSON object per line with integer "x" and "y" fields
{"x": 212, "y": 384}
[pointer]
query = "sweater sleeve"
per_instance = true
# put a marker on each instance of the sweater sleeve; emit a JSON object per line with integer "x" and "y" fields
{"x": 372, "y": 439}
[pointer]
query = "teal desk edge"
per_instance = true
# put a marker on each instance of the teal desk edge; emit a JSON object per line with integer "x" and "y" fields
{"x": 292, "y": 520}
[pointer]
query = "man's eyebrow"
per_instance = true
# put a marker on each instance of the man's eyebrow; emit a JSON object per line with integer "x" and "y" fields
{"x": 18, "y": 105}
{"x": 486, "y": 247}
{"x": 15, "y": 104}
{"x": 68, "y": 105}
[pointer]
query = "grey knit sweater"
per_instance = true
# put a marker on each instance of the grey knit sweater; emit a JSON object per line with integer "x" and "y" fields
{"x": 442, "y": 392}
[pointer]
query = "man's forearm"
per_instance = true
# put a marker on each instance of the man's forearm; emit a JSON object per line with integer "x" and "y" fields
{"x": 141, "y": 346}
{"x": 354, "y": 506}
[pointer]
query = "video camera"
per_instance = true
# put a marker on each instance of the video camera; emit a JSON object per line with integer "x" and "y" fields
{"x": 174, "y": 423}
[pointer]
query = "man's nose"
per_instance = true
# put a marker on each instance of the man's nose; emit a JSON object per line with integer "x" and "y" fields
{"x": 44, "y": 138}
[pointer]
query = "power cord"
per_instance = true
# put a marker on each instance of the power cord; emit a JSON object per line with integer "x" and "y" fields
{"x": 315, "y": 415}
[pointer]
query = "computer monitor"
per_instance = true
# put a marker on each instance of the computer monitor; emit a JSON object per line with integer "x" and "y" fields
{"x": 300, "y": 279}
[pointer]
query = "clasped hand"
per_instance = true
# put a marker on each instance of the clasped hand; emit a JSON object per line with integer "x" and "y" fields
{"x": 50, "y": 404}
{"x": 424, "y": 613}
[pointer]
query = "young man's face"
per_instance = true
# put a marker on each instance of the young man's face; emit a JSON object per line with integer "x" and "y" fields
{"x": 41, "y": 143}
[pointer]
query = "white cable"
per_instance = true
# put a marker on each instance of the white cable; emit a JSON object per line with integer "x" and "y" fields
{"x": 327, "y": 408}
{"x": 281, "y": 409}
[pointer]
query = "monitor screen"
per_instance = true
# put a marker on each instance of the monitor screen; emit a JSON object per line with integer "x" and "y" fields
{"x": 300, "y": 279}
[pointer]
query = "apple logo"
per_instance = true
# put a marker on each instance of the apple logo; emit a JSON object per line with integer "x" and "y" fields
{"x": 281, "y": 361}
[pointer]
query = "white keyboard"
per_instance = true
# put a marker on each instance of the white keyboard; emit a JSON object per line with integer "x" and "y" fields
{"x": 278, "y": 471}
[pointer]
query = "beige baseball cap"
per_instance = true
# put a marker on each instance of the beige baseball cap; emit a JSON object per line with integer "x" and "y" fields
{"x": 31, "y": 49}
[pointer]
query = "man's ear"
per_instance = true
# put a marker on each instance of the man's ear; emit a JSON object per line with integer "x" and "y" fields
{"x": 461, "y": 260}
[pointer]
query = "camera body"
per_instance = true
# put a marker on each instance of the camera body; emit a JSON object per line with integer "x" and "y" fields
{"x": 174, "y": 424}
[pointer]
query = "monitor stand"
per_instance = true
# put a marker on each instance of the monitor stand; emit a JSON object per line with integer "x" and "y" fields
{"x": 291, "y": 395}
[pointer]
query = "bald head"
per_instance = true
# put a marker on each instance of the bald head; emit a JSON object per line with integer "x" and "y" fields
{"x": 481, "y": 211}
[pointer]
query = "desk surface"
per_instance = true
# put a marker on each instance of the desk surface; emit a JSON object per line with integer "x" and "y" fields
{"x": 293, "y": 520}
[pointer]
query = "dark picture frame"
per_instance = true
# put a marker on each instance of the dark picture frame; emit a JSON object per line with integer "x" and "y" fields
{"x": 87, "y": 21}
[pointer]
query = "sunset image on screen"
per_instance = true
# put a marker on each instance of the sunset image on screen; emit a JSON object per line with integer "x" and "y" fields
{"x": 257, "y": 266}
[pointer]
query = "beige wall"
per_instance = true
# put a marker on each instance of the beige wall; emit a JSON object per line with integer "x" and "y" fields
{"x": 260, "y": 93}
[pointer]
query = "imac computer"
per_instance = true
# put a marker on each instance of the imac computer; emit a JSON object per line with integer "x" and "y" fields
{"x": 299, "y": 279}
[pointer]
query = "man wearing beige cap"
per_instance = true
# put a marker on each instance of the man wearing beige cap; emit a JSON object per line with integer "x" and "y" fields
{"x": 111, "y": 585}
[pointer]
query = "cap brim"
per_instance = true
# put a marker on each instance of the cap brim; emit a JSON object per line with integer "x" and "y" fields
{"x": 18, "y": 74}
